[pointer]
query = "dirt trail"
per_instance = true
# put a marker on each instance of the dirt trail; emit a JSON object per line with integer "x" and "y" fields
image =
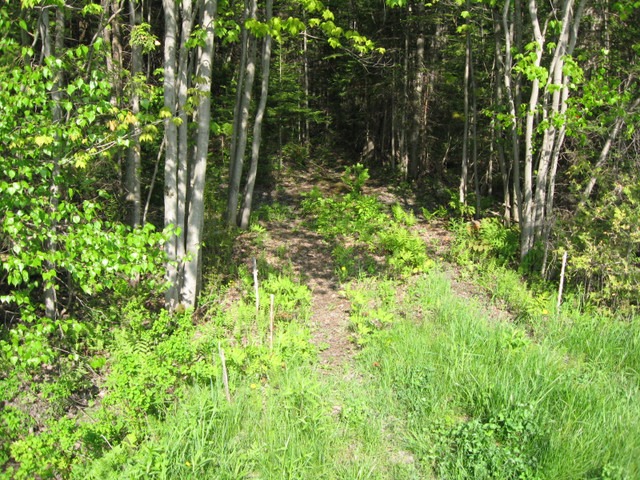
{"x": 290, "y": 243}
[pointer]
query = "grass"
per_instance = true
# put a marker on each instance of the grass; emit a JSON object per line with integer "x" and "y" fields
{"x": 439, "y": 391}
{"x": 285, "y": 429}
{"x": 484, "y": 400}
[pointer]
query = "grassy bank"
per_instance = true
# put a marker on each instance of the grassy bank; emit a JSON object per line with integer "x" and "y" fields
{"x": 441, "y": 391}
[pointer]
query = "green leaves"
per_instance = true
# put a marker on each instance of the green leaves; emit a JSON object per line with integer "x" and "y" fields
{"x": 141, "y": 36}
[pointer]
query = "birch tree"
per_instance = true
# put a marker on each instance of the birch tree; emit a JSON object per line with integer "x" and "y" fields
{"x": 185, "y": 168}
{"x": 257, "y": 126}
{"x": 548, "y": 100}
{"x": 132, "y": 176}
{"x": 246, "y": 75}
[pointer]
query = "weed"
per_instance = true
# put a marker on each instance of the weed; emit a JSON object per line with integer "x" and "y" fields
{"x": 361, "y": 229}
{"x": 440, "y": 212}
{"x": 274, "y": 212}
{"x": 355, "y": 177}
{"x": 400, "y": 216}
{"x": 485, "y": 400}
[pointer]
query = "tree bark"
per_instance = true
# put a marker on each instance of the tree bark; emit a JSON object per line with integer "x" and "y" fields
{"x": 171, "y": 155}
{"x": 183, "y": 84}
{"x": 235, "y": 168}
{"x": 192, "y": 274}
{"x": 257, "y": 125}
{"x": 464, "y": 168}
{"x": 497, "y": 130}
{"x": 415, "y": 143}
{"x": 132, "y": 176}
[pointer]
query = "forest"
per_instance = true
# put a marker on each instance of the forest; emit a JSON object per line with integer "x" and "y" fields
{"x": 304, "y": 239}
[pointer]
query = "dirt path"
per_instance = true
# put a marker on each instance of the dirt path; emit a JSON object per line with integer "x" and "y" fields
{"x": 292, "y": 246}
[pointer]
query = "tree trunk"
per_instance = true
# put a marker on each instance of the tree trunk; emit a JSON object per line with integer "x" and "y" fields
{"x": 171, "y": 155}
{"x": 235, "y": 168}
{"x": 183, "y": 84}
{"x": 307, "y": 95}
{"x": 474, "y": 133}
{"x": 553, "y": 107}
{"x": 527, "y": 220}
{"x": 132, "y": 176}
{"x": 415, "y": 143}
{"x": 402, "y": 142}
{"x": 464, "y": 168}
{"x": 497, "y": 130}
{"x": 257, "y": 125}
{"x": 238, "y": 103}
{"x": 192, "y": 274}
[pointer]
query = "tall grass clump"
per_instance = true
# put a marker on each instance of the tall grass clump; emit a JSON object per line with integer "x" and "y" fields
{"x": 295, "y": 426}
{"x": 486, "y": 400}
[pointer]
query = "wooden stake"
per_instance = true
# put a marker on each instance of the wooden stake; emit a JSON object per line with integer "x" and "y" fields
{"x": 225, "y": 378}
{"x": 255, "y": 284}
{"x": 564, "y": 264}
{"x": 271, "y": 324}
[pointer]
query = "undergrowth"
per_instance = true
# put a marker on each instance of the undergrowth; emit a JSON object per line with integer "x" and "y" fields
{"x": 144, "y": 362}
{"x": 367, "y": 239}
{"x": 439, "y": 390}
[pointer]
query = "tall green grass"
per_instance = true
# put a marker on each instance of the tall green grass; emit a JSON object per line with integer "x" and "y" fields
{"x": 486, "y": 400}
{"x": 296, "y": 426}
{"x": 441, "y": 391}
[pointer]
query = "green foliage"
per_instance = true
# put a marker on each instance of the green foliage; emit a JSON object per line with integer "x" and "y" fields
{"x": 483, "y": 240}
{"x": 487, "y": 400}
{"x": 400, "y": 216}
{"x": 440, "y": 212}
{"x": 151, "y": 360}
{"x": 371, "y": 309}
{"x": 355, "y": 177}
{"x": 275, "y": 212}
{"x": 141, "y": 35}
{"x": 289, "y": 296}
{"x": 362, "y": 231}
{"x": 601, "y": 241}
{"x": 488, "y": 449}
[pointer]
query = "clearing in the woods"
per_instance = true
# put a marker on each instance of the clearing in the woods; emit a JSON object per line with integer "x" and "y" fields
{"x": 388, "y": 354}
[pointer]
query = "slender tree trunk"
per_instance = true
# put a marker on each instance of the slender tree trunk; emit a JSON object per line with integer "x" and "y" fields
{"x": 171, "y": 155}
{"x": 307, "y": 94}
{"x": 117, "y": 56}
{"x": 553, "y": 106}
{"x": 402, "y": 143}
{"x": 192, "y": 274}
{"x": 474, "y": 133}
{"x": 257, "y": 125}
{"x": 183, "y": 85}
{"x": 242, "y": 69}
{"x": 527, "y": 220}
{"x": 243, "y": 126}
{"x": 551, "y": 137}
{"x": 50, "y": 297}
{"x": 415, "y": 145}
{"x": 132, "y": 176}
{"x": 515, "y": 100}
{"x": 464, "y": 169}
{"x": 497, "y": 130}
{"x": 106, "y": 31}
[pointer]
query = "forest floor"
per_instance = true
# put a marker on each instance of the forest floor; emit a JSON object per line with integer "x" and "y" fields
{"x": 292, "y": 243}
